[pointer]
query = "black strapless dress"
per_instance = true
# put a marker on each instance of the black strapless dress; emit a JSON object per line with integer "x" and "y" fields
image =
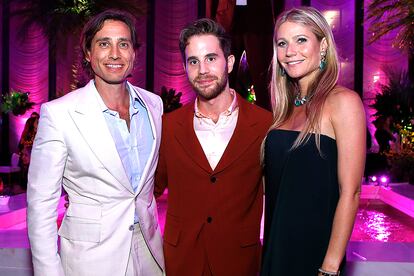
{"x": 301, "y": 195}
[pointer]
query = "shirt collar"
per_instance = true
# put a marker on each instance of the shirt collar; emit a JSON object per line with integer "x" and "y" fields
{"x": 233, "y": 106}
{"x": 134, "y": 99}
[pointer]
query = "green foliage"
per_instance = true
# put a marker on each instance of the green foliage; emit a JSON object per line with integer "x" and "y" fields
{"x": 75, "y": 7}
{"x": 251, "y": 95}
{"x": 16, "y": 102}
{"x": 407, "y": 135}
{"x": 170, "y": 100}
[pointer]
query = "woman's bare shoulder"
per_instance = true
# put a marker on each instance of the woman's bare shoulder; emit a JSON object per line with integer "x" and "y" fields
{"x": 342, "y": 99}
{"x": 344, "y": 104}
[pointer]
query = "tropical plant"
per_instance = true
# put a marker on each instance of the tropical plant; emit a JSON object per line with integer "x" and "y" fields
{"x": 63, "y": 17}
{"x": 170, "y": 100}
{"x": 396, "y": 98}
{"x": 396, "y": 101}
{"x": 16, "y": 102}
{"x": 388, "y": 15}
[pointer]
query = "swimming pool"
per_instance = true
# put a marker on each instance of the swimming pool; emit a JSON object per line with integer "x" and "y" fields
{"x": 377, "y": 221}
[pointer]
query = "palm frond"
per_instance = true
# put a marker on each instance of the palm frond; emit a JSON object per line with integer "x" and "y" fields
{"x": 389, "y": 15}
{"x": 64, "y": 17}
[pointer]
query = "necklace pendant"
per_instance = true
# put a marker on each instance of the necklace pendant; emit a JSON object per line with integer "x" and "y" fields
{"x": 298, "y": 102}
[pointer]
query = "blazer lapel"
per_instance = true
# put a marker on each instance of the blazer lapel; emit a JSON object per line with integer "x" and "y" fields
{"x": 92, "y": 125}
{"x": 188, "y": 140}
{"x": 244, "y": 135}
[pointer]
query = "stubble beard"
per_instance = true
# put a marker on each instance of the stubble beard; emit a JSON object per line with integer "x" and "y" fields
{"x": 211, "y": 92}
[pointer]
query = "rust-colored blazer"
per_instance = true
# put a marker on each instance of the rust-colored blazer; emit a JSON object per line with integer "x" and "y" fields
{"x": 212, "y": 215}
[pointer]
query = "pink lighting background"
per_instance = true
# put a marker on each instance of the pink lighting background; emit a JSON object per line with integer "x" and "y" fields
{"x": 29, "y": 66}
{"x": 28, "y": 72}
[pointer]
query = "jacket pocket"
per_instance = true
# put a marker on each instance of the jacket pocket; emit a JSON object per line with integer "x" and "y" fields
{"x": 76, "y": 230}
{"x": 84, "y": 211}
{"x": 82, "y": 223}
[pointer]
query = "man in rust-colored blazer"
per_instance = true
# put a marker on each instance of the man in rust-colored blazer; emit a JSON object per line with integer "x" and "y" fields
{"x": 210, "y": 162}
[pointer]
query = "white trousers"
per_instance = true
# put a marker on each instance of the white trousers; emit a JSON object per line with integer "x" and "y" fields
{"x": 141, "y": 262}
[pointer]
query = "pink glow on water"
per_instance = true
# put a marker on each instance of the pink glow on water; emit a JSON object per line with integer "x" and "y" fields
{"x": 376, "y": 225}
{"x": 377, "y": 221}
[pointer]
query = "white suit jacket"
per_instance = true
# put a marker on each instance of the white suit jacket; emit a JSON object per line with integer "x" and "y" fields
{"x": 74, "y": 146}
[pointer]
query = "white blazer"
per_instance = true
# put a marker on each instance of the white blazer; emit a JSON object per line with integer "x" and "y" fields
{"x": 73, "y": 146}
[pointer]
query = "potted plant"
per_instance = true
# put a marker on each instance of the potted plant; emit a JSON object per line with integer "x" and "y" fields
{"x": 16, "y": 102}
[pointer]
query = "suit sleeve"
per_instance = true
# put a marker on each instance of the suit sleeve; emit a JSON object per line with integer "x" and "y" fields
{"x": 161, "y": 171}
{"x": 46, "y": 169}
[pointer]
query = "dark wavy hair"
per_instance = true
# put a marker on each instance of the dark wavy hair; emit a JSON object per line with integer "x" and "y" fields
{"x": 205, "y": 26}
{"x": 96, "y": 23}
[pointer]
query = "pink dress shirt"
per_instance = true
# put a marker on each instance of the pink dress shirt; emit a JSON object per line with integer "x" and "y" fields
{"x": 214, "y": 137}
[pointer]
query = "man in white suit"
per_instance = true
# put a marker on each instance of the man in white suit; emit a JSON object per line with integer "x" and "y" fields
{"x": 101, "y": 142}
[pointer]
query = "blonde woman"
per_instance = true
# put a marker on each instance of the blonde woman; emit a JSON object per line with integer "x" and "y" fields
{"x": 314, "y": 152}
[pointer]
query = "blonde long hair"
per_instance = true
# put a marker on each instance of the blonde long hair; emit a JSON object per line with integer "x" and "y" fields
{"x": 283, "y": 88}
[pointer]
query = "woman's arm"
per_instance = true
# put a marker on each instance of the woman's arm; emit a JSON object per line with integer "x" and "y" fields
{"x": 348, "y": 121}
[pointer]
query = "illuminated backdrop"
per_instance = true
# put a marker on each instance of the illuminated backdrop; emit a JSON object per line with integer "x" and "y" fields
{"x": 28, "y": 60}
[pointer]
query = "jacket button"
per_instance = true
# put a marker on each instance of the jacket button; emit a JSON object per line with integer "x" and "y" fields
{"x": 209, "y": 219}
{"x": 213, "y": 179}
{"x": 131, "y": 228}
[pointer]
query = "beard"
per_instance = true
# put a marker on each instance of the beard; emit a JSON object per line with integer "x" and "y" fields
{"x": 211, "y": 92}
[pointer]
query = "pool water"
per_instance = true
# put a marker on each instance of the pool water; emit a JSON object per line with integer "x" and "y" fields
{"x": 378, "y": 221}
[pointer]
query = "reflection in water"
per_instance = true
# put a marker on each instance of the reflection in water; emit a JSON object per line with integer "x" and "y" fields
{"x": 377, "y": 221}
{"x": 376, "y": 224}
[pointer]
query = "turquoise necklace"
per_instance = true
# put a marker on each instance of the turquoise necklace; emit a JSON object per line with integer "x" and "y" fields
{"x": 301, "y": 101}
